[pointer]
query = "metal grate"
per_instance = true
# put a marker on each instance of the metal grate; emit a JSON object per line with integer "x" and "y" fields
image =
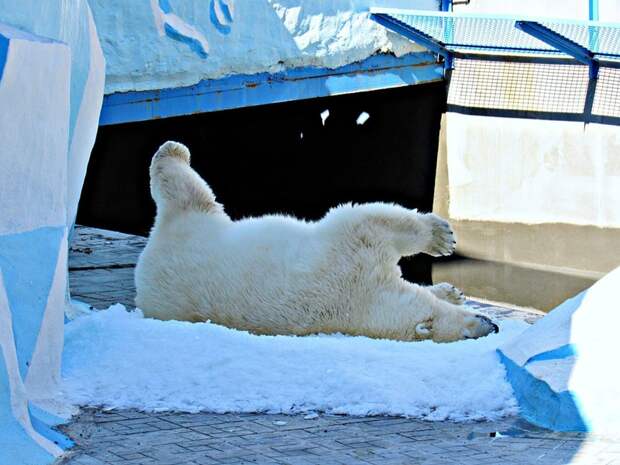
{"x": 534, "y": 68}
{"x": 463, "y": 33}
{"x": 474, "y": 34}
{"x": 607, "y": 96}
{"x": 519, "y": 86}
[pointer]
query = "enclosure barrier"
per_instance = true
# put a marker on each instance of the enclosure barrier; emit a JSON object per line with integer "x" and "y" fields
{"x": 520, "y": 67}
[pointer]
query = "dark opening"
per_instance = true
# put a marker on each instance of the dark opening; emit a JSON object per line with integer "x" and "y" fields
{"x": 279, "y": 158}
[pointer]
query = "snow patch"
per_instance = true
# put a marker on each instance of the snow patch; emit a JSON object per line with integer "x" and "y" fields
{"x": 119, "y": 359}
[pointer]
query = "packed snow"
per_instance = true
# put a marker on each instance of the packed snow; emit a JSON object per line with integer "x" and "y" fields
{"x": 119, "y": 359}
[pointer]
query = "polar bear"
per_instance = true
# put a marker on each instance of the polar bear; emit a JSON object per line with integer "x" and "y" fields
{"x": 279, "y": 275}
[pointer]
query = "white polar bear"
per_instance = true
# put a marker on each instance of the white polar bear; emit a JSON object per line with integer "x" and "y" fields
{"x": 280, "y": 275}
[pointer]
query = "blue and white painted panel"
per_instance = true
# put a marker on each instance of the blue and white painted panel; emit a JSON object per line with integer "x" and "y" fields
{"x": 564, "y": 368}
{"x": 36, "y": 203}
{"x": 34, "y": 127}
{"x": 163, "y": 44}
{"x": 51, "y": 89}
{"x": 83, "y": 130}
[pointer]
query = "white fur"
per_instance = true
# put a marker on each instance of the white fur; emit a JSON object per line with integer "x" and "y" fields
{"x": 280, "y": 275}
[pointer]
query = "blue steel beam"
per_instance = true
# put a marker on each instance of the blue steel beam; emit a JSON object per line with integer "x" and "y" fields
{"x": 374, "y": 73}
{"x": 414, "y": 35}
{"x": 561, "y": 43}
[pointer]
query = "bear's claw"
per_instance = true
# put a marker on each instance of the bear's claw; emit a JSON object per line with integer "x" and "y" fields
{"x": 449, "y": 293}
{"x": 442, "y": 238}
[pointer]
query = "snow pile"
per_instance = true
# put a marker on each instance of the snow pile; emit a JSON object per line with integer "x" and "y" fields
{"x": 564, "y": 367}
{"x": 118, "y": 359}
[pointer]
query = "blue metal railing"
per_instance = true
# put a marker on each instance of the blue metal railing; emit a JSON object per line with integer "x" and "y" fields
{"x": 451, "y": 33}
{"x": 593, "y": 10}
{"x": 495, "y": 37}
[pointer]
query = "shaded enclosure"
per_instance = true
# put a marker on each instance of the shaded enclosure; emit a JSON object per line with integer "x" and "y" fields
{"x": 279, "y": 158}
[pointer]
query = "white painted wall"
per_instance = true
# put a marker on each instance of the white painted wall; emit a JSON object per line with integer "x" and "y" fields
{"x": 511, "y": 170}
{"x": 532, "y": 171}
{"x": 609, "y": 11}
{"x": 258, "y": 36}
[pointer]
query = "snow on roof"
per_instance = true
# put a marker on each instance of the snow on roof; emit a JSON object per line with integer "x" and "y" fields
{"x": 167, "y": 44}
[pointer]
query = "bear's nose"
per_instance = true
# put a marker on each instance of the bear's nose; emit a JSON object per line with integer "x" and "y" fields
{"x": 488, "y": 322}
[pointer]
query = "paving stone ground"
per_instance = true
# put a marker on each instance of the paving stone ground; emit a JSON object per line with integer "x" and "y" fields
{"x": 101, "y": 267}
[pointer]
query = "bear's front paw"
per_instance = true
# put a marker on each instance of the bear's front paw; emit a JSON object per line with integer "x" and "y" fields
{"x": 449, "y": 293}
{"x": 442, "y": 240}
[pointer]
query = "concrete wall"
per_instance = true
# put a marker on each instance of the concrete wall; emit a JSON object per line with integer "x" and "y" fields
{"x": 175, "y": 43}
{"x": 51, "y": 88}
{"x": 533, "y": 202}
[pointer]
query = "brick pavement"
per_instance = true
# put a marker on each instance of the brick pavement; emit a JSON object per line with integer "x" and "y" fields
{"x": 101, "y": 273}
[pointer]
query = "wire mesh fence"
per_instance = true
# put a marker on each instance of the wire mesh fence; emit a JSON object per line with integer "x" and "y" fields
{"x": 518, "y": 86}
{"x": 499, "y": 64}
{"x": 553, "y": 88}
{"x": 607, "y": 96}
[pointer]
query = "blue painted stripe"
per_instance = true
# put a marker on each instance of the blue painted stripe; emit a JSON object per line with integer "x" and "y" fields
{"x": 11, "y": 32}
{"x": 193, "y": 44}
{"x": 541, "y": 405}
{"x": 4, "y": 51}
{"x": 567, "y": 350}
{"x": 28, "y": 263}
{"x": 39, "y": 420}
{"x": 223, "y": 28}
{"x": 225, "y": 10}
{"x": 16, "y": 446}
{"x": 593, "y": 10}
{"x": 374, "y": 73}
{"x": 165, "y": 6}
{"x": 46, "y": 417}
